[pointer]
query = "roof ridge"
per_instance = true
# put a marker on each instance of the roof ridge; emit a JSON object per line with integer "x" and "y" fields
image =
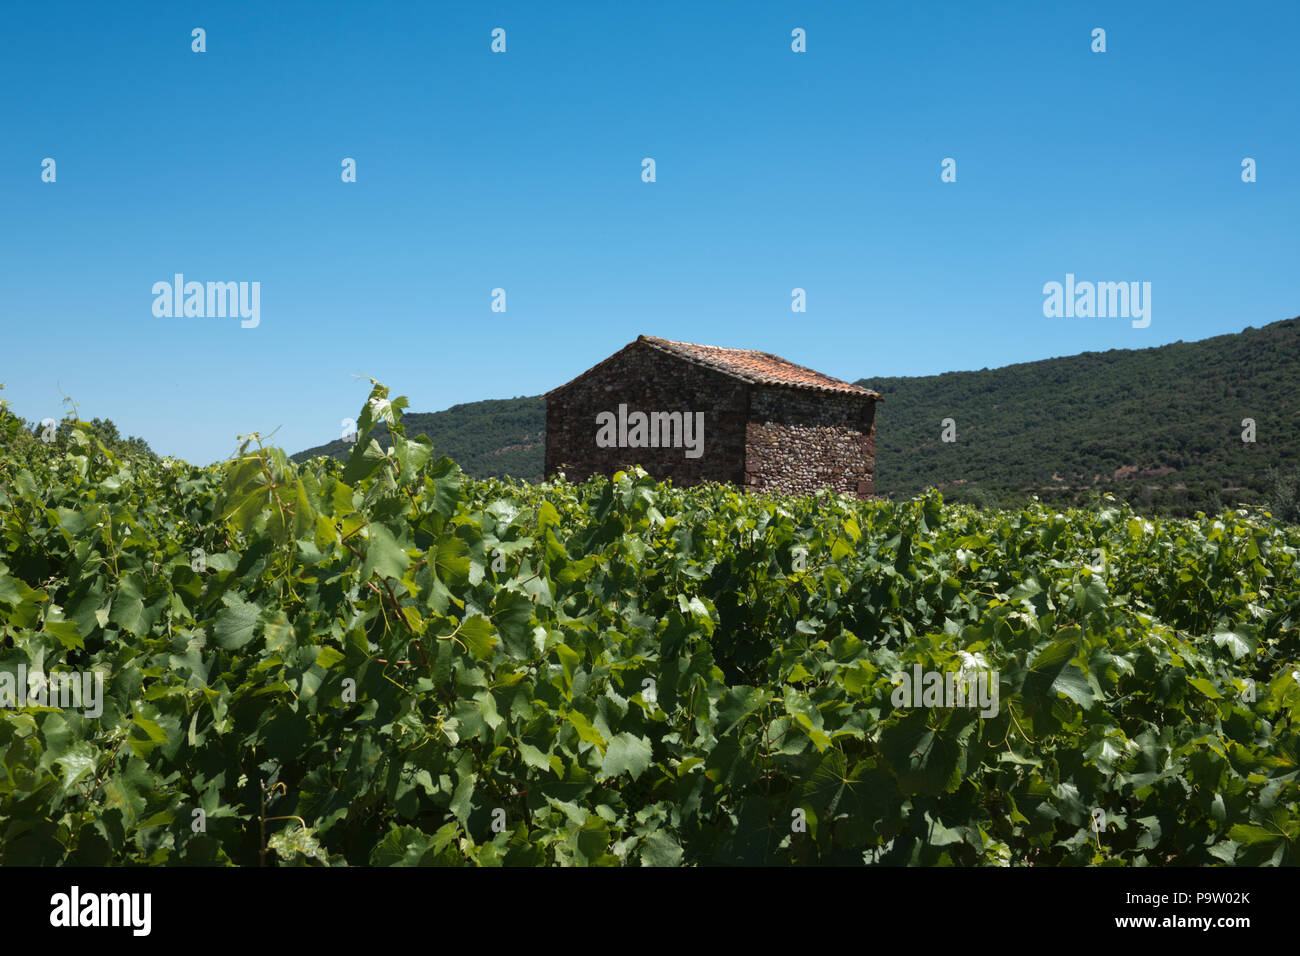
{"x": 698, "y": 353}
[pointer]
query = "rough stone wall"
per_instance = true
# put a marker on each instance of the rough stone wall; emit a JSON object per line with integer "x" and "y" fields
{"x": 647, "y": 380}
{"x": 800, "y": 441}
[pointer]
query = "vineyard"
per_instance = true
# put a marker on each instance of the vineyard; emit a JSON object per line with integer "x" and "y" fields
{"x": 382, "y": 661}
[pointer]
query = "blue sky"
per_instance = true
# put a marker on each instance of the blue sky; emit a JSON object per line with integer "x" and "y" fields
{"x": 775, "y": 170}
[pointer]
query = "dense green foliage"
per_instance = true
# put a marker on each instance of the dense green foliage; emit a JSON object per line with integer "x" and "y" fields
{"x": 19, "y": 435}
{"x": 386, "y": 662}
{"x": 1159, "y": 428}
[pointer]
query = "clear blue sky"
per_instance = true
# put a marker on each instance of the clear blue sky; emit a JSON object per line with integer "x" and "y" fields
{"x": 522, "y": 170}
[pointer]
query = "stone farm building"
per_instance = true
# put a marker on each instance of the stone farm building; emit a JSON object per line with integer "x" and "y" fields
{"x": 693, "y": 413}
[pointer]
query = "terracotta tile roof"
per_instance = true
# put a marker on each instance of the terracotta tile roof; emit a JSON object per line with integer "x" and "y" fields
{"x": 761, "y": 368}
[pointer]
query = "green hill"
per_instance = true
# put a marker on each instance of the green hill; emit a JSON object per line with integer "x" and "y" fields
{"x": 498, "y": 438}
{"x": 1159, "y": 427}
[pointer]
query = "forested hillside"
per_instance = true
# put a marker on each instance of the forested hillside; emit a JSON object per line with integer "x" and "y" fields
{"x": 1160, "y": 428}
{"x": 498, "y": 438}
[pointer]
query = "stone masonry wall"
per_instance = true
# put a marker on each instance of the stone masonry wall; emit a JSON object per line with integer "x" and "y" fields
{"x": 799, "y": 441}
{"x": 648, "y": 380}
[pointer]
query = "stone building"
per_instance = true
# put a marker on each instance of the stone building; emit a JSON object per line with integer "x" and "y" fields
{"x": 693, "y": 413}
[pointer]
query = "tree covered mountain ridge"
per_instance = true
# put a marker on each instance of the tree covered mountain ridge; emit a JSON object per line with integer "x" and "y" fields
{"x": 1160, "y": 427}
